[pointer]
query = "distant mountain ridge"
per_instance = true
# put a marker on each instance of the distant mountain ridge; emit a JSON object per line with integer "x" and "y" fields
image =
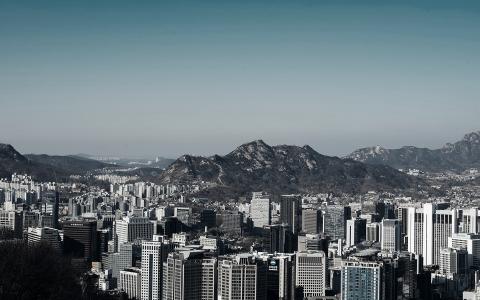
{"x": 43, "y": 167}
{"x": 458, "y": 156}
{"x": 284, "y": 168}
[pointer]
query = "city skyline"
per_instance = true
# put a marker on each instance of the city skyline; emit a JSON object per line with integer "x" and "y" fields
{"x": 169, "y": 78}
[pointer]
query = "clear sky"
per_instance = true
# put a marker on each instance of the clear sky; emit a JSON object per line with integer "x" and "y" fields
{"x": 165, "y": 78}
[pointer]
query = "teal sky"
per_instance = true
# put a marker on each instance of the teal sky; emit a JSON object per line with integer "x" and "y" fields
{"x": 143, "y": 78}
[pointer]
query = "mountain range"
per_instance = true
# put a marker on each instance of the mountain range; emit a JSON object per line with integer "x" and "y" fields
{"x": 458, "y": 156}
{"x": 283, "y": 168}
{"x": 44, "y": 167}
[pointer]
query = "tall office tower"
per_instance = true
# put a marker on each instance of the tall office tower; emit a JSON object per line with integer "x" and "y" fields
{"x": 311, "y": 220}
{"x": 356, "y": 231}
{"x": 399, "y": 275}
{"x": 453, "y": 261}
{"x": 208, "y": 218}
{"x": 131, "y": 229}
{"x": 119, "y": 261}
{"x": 361, "y": 280}
{"x": 282, "y": 239}
{"x": 469, "y": 242}
{"x": 468, "y": 220}
{"x": 402, "y": 217}
{"x": 12, "y": 220}
{"x": 189, "y": 275}
{"x": 231, "y": 222}
{"x": 277, "y": 276}
{"x": 373, "y": 232}
{"x": 334, "y": 221}
{"x": 384, "y": 210}
{"x": 429, "y": 229}
{"x": 237, "y": 278}
{"x": 47, "y": 235}
{"x": 80, "y": 241}
{"x": 391, "y": 235}
{"x": 154, "y": 254}
{"x": 260, "y": 210}
{"x": 311, "y": 271}
{"x": 291, "y": 211}
{"x": 52, "y": 198}
{"x": 130, "y": 282}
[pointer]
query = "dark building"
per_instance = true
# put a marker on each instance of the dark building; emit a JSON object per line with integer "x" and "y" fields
{"x": 52, "y": 198}
{"x": 80, "y": 240}
{"x": 231, "y": 222}
{"x": 276, "y": 277}
{"x": 208, "y": 218}
{"x": 384, "y": 210}
{"x": 291, "y": 211}
{"x": 171, "y": 225}
{"x": 282, "y": 239}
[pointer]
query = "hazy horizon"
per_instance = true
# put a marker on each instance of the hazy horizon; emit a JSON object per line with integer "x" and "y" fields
{"x": 202, "y": 77}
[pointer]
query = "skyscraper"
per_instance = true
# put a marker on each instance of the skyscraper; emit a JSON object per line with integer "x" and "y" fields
{"x": 429, "y": 229}
{"x": 282, "y": 239}
{"x": 391, "y": 235}
{"x": 469, "y": 242}
{"x": 311, "y": 220}
{"x": 133, "y": 228}
{"x": 189, "y": 275}
{"x": 237, "y": 278}
{"x": 130, "y": 282}
{"x": 373, "y": 232}
{"x": 80, "y": 239}
{"x": 52, "y": 198}
{"x": 154, "y": 254}
{"x": 260, "y": 210}
{"x": 311, "y": 270}
{"x": 361, "y": 280}
{"x": 291, "y": 211}
{"x": 356, "y": 231}
{"x": 334, "y": 221}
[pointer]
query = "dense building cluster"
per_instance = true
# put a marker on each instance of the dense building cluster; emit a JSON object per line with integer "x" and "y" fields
{"x": 148, "y": 241}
